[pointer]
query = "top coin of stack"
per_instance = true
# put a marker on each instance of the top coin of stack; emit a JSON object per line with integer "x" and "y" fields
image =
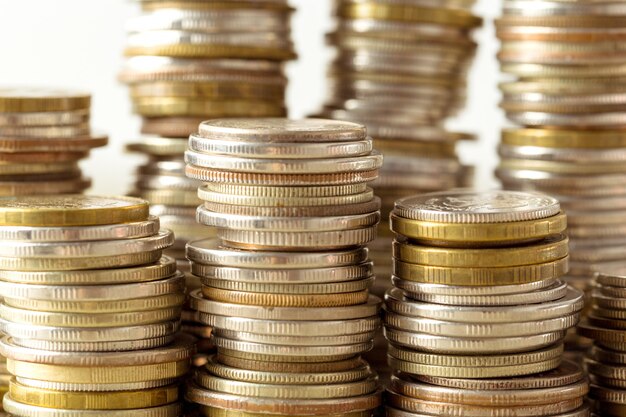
{"x": 286, "y": 287}
{"x": 189, "y": 61}
{"x": 90, "y": 307}
{"x": 606, "y": 362}
{"x": 569, "y": 57}
{"x": 478, "y": 304}
{"x": 43, "y": 135}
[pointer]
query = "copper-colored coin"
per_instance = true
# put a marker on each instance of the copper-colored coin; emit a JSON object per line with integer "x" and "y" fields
{"x": 286, "y": 300}
{"x": 69, "y": 186}
{"x": 42, "y": 157}
{"x": 212, "y": 175}
{"x": 174, "y": 127}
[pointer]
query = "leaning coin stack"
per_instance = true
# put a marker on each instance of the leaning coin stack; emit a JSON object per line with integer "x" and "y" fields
{"x": 400, "y": 69}
{"x": 285, "y": 287}
{"x": 43, "y": 135}
{"x": 477, "y": 320}
{"x": 606, "y": 362}
{"x": 91, "y": 309}
{"x": 173, "y": 196}
{"x": 568, "y": 58}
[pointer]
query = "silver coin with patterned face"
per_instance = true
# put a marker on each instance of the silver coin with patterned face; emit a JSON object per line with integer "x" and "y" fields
{"x": 282, "y": 130}
{"x": 465, "y": 206}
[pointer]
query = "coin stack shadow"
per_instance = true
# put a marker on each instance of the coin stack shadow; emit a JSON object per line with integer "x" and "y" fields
{"x": 566, "y": 57}
{"x": 43, "y": 135}
{"x": 91, "y": 309}
{"x": 285, "y": 287}
{"x": 478, "y": 315}
{"x": 190, "y": 62}
{"x": 400, "y": 69}
{"x": 606, "y": 361}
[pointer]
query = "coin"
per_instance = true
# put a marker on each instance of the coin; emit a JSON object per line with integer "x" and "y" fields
{"x": 286, "y": 300}
{"x": 20, "y": 100}
{"x": 70, "y": 211}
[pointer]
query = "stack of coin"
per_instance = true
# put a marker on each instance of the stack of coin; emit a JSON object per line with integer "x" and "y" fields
{"x": 285, "y": 286}
{"x": 43, "y": 135}
{"x": 606, "y": 363}
{"x": 190, "y": 61}
{"x": 400, "y": 69}
{"x": 479, "y": 296}
{"x": 162, "y": 181}
{"x": 91, "y": 309}
{"x": 568, "y": 59}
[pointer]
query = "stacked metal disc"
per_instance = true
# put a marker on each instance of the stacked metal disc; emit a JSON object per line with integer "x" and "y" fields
{"x": 606, "y": 362}
{"x": 91, "y": 309}
{"x": 400, "y": 69}
{"x": 568, "y": 58}
{"x": 285, "y": 287}
{"x": 477, "y": 320}
{"x": 162, "y": 181}
{"x": 190, "y": 61}
{"x": 44, "y": 133}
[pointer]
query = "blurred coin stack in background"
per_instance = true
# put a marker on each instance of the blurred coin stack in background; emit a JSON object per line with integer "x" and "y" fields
{"x": 91, "y": 309}
{"x": 44, "y": 133}
{"x": 478, "y": 315}
{"x": 192, "y": 61}
{"x": 400, "y": 69}
{"x": 285, "y": 287}
{"x": 606, "y": 362}
{"x": 567, "y": 61}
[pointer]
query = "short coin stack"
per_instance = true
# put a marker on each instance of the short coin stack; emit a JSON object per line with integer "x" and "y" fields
{"x": 400, "y": 69}
{"x": 286, "y": 285}
{"x": 190, "y": 61}
{"x": 606, "y": 325}
{"x": 43, "y": 135}
{"x": 91, "y": 309}
{"x": 173, "y": 196}
{"x": 569, "y": 59}
{"x": 477, "y": 319}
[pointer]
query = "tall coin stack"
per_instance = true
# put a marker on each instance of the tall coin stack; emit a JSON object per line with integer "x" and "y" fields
{"x": 285, "y": 287}
{"x": 606, "y": 362}
{"x": 43, "y": 135}
{"x": 400, "y": 69}
{"x": 91, "y": 309}
{"x": 174, "y": 199}
{"x": 568, "y": 57}
{"x": 478, "y": 315}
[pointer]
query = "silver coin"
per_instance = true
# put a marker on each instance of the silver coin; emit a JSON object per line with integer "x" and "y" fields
{"x": 572, "y": 303}
{"x": 286, "y": 166}
{"x": 60, "y": 118}
{"x": 167, "y": 182}
{"x": 121, "y": 231}
{"x": 157, "y": 38}
{"x": 212, "y": 252}
{"x": 329, "y": 352}
{"x": 71, "y": 249}
{"x": 474, "y": 207}
{"x": 286, "y": 340}
{"x": 90, "y": 347}
{"x": 562, "y": 154}
{"x": 441, "y": 289}
{"x": 280, "y": 150}
{"x": 282, "y": 130}
{"x": 570, "y": 120}
{"x": 63, "y": 386}
{"x": 558, "y": 8}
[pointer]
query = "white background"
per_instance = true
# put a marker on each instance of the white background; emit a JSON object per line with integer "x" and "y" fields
{"x": 78, "y": 44}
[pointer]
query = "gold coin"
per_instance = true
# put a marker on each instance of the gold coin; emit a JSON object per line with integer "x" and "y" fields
{"x": 71, "y": 210}
{"x": 221, "y": 412}
{"x": 159, "y": 146}
{"x": 286, "y": 300}
{"x": 551, "y": 249}
{"x": 407, "y": 147}
{"x": 552, "y": 138}
{"x": 120, "y": 400}
{"x": 481, "y": 276}
{"x": 42, "y": 157}
{"x": 31, "y": 100}
{"x": 289, "y": 367}
{"x": 213, "y": 51}
{"x": 481, "y": 233}
{"x": 208, "y": 90}
{"x": 73, "y": 144}
{"x": 298, "y": 289}
{"x": 84, "y": 263}
{"x": 407, "y": 13}
{"x": 175, "y": 106}
{"x": 98, "y": 374}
